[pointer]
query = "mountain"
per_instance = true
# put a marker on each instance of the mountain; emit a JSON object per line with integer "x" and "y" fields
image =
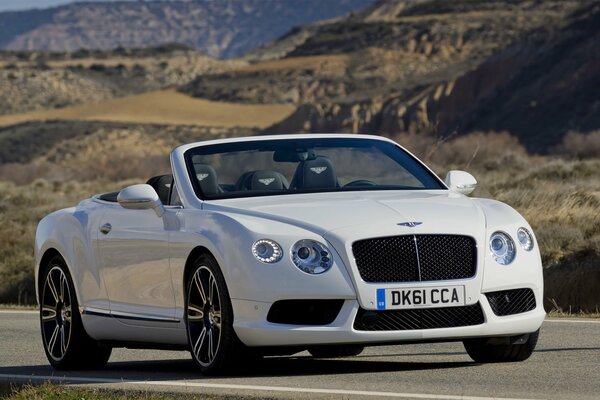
{"x": 431, "y": 66}
{"x": 224, "y": 28}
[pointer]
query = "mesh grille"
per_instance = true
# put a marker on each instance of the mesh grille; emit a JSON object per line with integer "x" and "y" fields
{"x": 425, "y": 318}
{"x": 412, "y": 258}
{"x": 509, "y": 302}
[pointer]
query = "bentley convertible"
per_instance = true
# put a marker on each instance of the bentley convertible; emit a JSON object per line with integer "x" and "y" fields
{"x": 273, "y": 245}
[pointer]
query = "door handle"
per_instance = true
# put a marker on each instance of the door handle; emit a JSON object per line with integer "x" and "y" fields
{"x": 105, "y": 228}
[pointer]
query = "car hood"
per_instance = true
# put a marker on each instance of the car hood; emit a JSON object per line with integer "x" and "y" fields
{"x": 366, "y": 213}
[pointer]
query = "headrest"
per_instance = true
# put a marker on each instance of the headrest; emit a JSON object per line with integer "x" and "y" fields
{"x": 267, "y": 180}
{"x": 315, "y": 174}
{"x": 262, "y": 180}
{"x": 207, "y": 178}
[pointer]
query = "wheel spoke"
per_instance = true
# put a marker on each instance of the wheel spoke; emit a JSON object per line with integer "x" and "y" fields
{"x": 211, "y": 350}
{"x": 48, "y": 313}
{"x": 211, "y": 283}
{"x": 199, "y": 343}
{"x": 52, "y": 286}
{"x": 63, "y": 282}
{"x": 195, "y": 313}
{"x": 68, "y": 315}
{"x": 63, "y": 341}
{"x": 200, "y": 287}
{"x": 53, "y": 338}
{"x": 217, "y": 318}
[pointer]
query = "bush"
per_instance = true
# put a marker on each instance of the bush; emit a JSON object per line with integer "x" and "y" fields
{"x": 579, "y": 145}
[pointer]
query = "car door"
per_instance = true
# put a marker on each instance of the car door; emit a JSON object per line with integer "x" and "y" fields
{"x": 134, "y": 260}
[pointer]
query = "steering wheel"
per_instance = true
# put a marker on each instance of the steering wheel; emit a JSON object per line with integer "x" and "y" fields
{"x": 359, "y": 183}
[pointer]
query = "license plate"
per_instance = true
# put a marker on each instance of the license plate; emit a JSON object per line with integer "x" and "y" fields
{"x": 431, "y": 297}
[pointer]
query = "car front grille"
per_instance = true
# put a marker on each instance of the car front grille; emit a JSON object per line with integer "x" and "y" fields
{"x": 414, "y": 258}
{"x": 509, "y": 302}
{"x": 425, "y": 318}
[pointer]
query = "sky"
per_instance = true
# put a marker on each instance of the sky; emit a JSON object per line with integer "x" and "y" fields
{"x": 12, "y": 5}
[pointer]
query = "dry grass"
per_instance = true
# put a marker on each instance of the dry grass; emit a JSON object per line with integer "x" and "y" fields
{"x": 163, "y": 107}
{"x": 317, "y": 62}
{"x": 580, "y": 145}
{"x": 64, "y": 392}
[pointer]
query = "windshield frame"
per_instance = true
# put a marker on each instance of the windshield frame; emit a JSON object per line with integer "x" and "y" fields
{"x": 203, "y": 149}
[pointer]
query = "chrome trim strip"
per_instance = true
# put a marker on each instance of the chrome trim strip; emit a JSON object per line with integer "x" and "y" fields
{"x": 98, "y": 312}
{"x": 418, "y": 257}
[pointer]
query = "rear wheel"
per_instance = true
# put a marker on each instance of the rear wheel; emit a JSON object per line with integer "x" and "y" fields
{"x": 209, "y": 318}
{"x": 336, "y": 351}
{"x": 486, "y": 351}
{"x": 66, "y": 343}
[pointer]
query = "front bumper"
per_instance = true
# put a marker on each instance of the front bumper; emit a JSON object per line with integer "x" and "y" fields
{"x": 253, "y": 329}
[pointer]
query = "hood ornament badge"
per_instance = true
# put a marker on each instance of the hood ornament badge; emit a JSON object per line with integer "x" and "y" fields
{"x": 411, "y": 224}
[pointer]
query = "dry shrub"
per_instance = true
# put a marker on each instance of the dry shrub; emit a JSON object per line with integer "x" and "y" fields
{"x": 421, "y": 145}
{"x": 579, "y": 145}
{"x": 490, "y": 149}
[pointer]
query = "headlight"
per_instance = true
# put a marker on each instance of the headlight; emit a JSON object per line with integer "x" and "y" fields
{"x": 525, "y": 238}
{"x": 267, "y": 251}
{"x": 311, "y": 257}
{"x": 502, "y": 247}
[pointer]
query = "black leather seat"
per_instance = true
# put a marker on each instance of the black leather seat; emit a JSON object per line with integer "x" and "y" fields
{"x": 162, "y": 185}
{"x": 315, "y": 174}
{"x": 262, "y": 180}
{"x": 207, "y": 178}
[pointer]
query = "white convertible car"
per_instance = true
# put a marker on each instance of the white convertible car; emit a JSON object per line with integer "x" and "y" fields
{"x": 279, "y": 244}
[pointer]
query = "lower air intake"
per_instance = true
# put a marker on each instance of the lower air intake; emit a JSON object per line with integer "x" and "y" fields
{"x": 304, "y": 312}
{"x": 426, "y": 318}
{"x": 510, "y": 302}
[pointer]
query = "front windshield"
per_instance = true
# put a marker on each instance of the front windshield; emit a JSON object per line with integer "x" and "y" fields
{"x": 287, "y": 166}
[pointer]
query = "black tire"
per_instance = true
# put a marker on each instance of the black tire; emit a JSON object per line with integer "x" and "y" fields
{"x": 66, "y": 343}
{"x": 213, "y": 315}
{"x": 333, "y": 351}
{"x": 485, "y": 351}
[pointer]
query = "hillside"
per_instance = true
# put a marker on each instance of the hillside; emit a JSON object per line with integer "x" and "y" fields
{"x": 431, "y": 66}
{"x": 222, "y": 29}
{"x": 165, "y": 107}
{"x": 31, "y": 81}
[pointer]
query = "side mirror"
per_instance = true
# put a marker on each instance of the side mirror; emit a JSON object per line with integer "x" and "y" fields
{"x": 141, "y": 197}
{"x": 461, "y": 181}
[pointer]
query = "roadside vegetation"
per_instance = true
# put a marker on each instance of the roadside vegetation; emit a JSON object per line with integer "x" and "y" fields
{"x": 559, "y": 196}
{"x": 50, "y": 391}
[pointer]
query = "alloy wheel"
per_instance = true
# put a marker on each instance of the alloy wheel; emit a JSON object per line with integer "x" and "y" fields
{"x": 204, "y": 316}
{"x": 56, "y": 313}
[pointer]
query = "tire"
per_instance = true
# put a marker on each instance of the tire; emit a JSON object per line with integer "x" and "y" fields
{"x": 482, "y": 351}
{"x": 336, "y": 351}
{"x": 214, "y": 346}
{"x": 66, "y": 343}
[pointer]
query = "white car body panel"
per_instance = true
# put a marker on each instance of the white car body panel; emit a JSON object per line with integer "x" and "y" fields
{"x": 134, "y": 274}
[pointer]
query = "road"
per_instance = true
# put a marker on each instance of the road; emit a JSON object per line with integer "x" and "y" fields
{"x": 565, "y": 365}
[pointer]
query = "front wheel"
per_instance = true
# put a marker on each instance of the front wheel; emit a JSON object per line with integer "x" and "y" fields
{"x": 66, "y": 343}
{"x": 209, "y": 318}
{"x": 486, "y": 351}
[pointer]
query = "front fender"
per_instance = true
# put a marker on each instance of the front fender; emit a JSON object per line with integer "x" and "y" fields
{"x": 229, "y": 237}
{"x": 526, "y": 269}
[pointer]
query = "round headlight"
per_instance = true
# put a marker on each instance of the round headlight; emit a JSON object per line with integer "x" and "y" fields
{"x": 525, "y": 238}
{"x": 311, "y": 257}
{"x": 502, "y": 247}
{"x": 267, "y": 251}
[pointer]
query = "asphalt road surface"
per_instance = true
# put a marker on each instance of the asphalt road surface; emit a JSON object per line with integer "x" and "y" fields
{"x": 565, "y": 365}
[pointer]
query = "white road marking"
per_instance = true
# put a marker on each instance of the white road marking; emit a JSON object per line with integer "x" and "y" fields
{"x": 187, "y": 384}
{"x": 575, "y": 321}
{"x": 19, "y": 312}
